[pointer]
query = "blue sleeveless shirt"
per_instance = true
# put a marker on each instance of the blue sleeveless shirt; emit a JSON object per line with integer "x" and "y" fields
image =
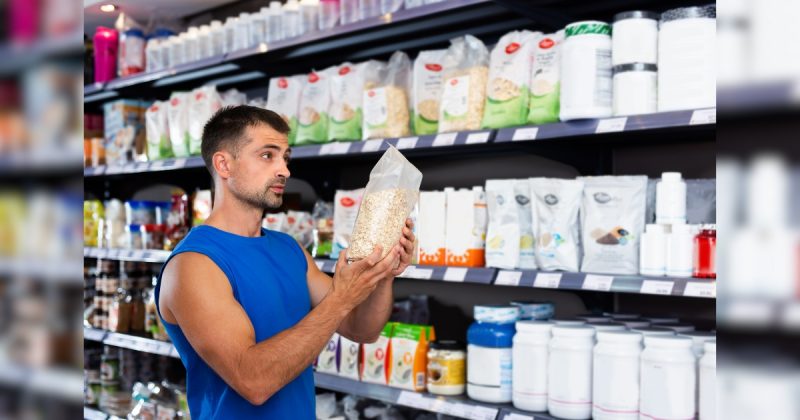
{"x": 268, "y": 278}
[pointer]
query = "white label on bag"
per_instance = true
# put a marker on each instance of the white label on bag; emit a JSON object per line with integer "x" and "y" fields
{"x": 528, "y": 133}
{"x": 508, "y": 278}
{"x": 696, "y": 289}
{"x": 475, "y": 138}
{"x": 446, "y": 139}
{"x": 455, "y": 274}
{"x": 372, "y": 145}
{"x": 657, "y": 287}
{"x": 547, "y": 280}
{"x": 595, "y": 282}
{"x": 704, "y": 116}
{"x": 407, "y": 143}
{"x": 611, "y": 125}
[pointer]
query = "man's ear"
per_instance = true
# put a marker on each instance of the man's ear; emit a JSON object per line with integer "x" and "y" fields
{"x": 222, "y": 163}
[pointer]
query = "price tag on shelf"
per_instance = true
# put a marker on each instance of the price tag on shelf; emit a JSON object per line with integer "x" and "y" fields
{"x": 157, "y": 164}
{"x": 611, "y": 125}
{"x": 319, "y": 264}
{"x": 657, "y": 287}
{"x": 528, "y": 133}
{"x": 412, "y": 399}
{"x": 479, "y": 412}
{"x": 445, "y": 139}
{"x": 325, "y": 149}
{"x": 515, "y": 416}
{"x": 704, "y": 116}
{"x": 599, "y": 283}
{"x": 508, "y": 278}
{"x": 547, "y": 280}
{"x": 476, "y": 138}
{"x": 698, "y": 289}
{"x": 371, "y": 145}
{"x": 455, "y": 274}
{"x": 179, "y": 163}
{"x": 422, "y": 273}
{"x": 128, "y": 168}
{"x": 336, "y": 148}
{"x": 407, "y": 143}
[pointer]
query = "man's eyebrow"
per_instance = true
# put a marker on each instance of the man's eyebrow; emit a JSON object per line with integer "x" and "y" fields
{"x": 270, "y": 146}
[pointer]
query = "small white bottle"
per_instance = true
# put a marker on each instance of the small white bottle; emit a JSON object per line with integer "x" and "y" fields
{"x": 348, "y": 11}
{"x": 153, "y": 60}
{"x": 175, "y": 51}
{"x": 329, "y": 11}
{"x": 653, "y": 251}
{"x": 708, "y": 382}
{"x": 291, "y": 19}
{"x": 191, "y": 45}
{"x": 529, "y": 359}
{"x": 615, "y": 378}
{"x": 668, "y": 378}
{"x": 241, "y": 38}
{"x": 166, "y": 44}
{"x": 204, "y": 42}
{"x": 680, "y": 251}
{"x": 569, "y": 373}
{"x": 217, "y": 38}
{"x": 309, "y": 16}
{"x": 671, "y": 199}
{"x": 274, "y": 24}
{"x": 230, "y": 33}
{"x": 258, "y": 27}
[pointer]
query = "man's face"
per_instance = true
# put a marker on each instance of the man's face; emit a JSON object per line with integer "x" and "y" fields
{"x": 259, "y": 172}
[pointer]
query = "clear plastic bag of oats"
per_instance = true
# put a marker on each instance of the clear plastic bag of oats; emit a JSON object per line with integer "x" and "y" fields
{"x": 391, "y": 194}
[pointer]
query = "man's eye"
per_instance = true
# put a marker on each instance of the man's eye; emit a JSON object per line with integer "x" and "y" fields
{"x": 267, "y": 155}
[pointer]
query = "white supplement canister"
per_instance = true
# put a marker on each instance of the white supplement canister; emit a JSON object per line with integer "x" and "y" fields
{"x": 529, "y": 379}
{"x": 615, "y": 390}
{"x": 586, "y": 85}
{"x": 680, "y": 251}
{"x": 653, "y": 331}
{"x": 653, "y": 251}
{"x": 569, "y": 373}
{"x": 699, "y": 339}
{"x": 708, "y": 382}
{"x": 635, "y": 38}
{"x": 687, "y": 65}
{"x": 489, "y": 361}
{"x": 668, "y": 378}
{"x": 671, "y": 198}
{"x": 635, "y": 89}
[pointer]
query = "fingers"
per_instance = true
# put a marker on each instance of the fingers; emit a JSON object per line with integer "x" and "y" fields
{"x": 367, "y": 263}
{"x": 410, "y": 224}
{"x": 385, "y": 265}
{"x": 341, "y": 262}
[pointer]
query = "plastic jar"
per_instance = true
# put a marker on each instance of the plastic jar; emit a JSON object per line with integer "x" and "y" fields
{"x": 635, "y": 89}
{"x": 678, "y": 327}
{"x": 653, "y": 251}
{"x": 446, "y": 368}
{"x": 668, "y": 378}
{"x": 708, "y": 382}
{"x": 539, "y": 311}
{"x": 529, "y": 358}
{"x": 607, "y": 326}
{"x": 705, "y": 253}
{"x": 654, "y": 331}
{"x": 586, "y": 85}
{"x": 569, "y": 372}
{"x": 140, "y": 212}
{"x": 131, "y": 52}
{"x": 635, "y": 38}
{"x": 390, "y": 6}
{"x": 490, "y": 342}
{"x": 671, "y": 199}
{"x": 615, "y": 390}
{"x": 217, "y": 38}
{"x": 369, "y": 8}
{"x": 152, "y": 236}
{"x": 680, "y": 250}
{"x": 687, "y": 64}
{"x": 106, "y": 47}
{"x": 119, "y": 314}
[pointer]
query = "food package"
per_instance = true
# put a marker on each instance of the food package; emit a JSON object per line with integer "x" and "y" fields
{"x": 323, "y": 229}
{"x": 545, "y": 97}
{"x": 124, "y": 131}
{"x": 158, "y": 144}
{"x": 349, "y": 358}
{"x": 427, "y": 91}
{"x": 233, "y": 97}
{"x": 502, "y": 238}
{"x": 386, "y": 105}
{"x": 312, "y": 112}
{"x": 347, "y": 94}
{"x": 409, "y": 356}
{"x": 300, "y": 227}
{"x": 556, "y": 204}
{"x": 283, "y": 98}
{"x": 465, "y": 231}
{"x": 612, "y": 222}
{"x": 275, "y": 222}
{"x": 375, "y": 366}
{"x": 390, "y": 195}
{"x": 178, "y": 122}
{"x": 464, "y": 92}
{"x": 203, "y": 103}
{"x": 328, "y": 359}
{"x": 345, "y": 211}
{"x": 201, "y": 207}
{"x": 522, "y": 196}
{"x": 431, "y": 225}
{"x": 508, "y": 91}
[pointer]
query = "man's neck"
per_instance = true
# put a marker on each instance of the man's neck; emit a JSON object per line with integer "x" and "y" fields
{"x": 234, "y": 216}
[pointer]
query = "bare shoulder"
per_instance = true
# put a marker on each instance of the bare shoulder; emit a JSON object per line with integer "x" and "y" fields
{"x": 190, "y": 277}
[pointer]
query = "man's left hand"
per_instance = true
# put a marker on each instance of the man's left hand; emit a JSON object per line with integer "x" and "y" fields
{"x": 406, "y": 248}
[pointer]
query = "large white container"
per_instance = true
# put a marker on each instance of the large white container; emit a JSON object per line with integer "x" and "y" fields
{"x": 635, "y": 89}
{"x": 708, "y": 382}
{"x": 668, "y": 379}
{"x": 175, "y": 51}
{"x": 615, "y": 389}
{"x": 569, "y": 373}
{"x": 586, "y": 84}
{"x": 489, "y": 353}
{"x": 653, "y": 251}
{"x": 671, "y": 199}
{"x": 680, "y": 250}
{"x": 699, "y": 339}
{"x": 635, "y": 38}
{"x": 258, "y": 26}
{"x": 529, "y": 378}
{"x": 687, "y": 64}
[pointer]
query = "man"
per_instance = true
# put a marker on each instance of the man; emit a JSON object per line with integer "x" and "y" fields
{"x": 247, "y": 308}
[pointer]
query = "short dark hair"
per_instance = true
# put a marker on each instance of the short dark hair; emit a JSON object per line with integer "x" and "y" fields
{"x": 225, "y": 130}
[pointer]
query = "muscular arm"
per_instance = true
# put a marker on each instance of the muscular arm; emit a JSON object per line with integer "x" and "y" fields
{"x": 197, "y": 296}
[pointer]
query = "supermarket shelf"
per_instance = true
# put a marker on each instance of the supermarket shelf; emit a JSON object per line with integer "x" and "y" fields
{"x": 146, "y": 345}
{"x": 66, "y": 272}
{"x": 435, "y": 273}
{"x": 51, "y": 162}
{"x": 142, "y": 255}
{"x": 16, "y": 58}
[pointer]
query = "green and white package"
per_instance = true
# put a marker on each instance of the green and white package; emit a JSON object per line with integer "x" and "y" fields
{"x": 347, "y": 91}
{"x": 508, "y": 90}
{"x": 312, "y": 113}
{"x": 157, "y": 129}
{"x": 427, "y": 91}
{"x": 178, "y": 120}
{"x": 203, "y": 103}
{"x": 283, "y": 98}
{"x": 545, "y": 97}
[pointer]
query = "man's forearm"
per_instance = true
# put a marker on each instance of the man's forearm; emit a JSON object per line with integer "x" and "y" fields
{"x": 365, "y": 322}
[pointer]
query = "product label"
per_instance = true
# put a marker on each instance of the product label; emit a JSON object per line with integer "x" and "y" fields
{"x": 603, "y": 84}
{"x": 455, "y": 98}
{"x": 442, "y": 372}
{"x": 428, "y": 75}
{"x": 375, "y": 110}
{"x": 545, "y": 80}
{"x": 312, "y": 115}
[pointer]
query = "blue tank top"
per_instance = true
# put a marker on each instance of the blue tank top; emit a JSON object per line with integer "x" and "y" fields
{"x": 268, "y": 278}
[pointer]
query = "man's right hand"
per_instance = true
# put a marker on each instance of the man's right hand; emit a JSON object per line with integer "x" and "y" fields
{"x": 354, "y": 282}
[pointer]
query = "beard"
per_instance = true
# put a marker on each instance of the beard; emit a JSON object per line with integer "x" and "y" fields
{"x": 261, "y": 198}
